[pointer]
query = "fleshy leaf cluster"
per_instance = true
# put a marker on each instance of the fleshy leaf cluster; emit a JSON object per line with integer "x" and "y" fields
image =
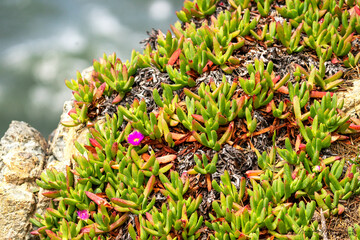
{"x": 147, "y": 167}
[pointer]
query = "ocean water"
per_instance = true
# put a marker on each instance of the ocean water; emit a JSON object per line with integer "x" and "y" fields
{"x": 44, "y": 42}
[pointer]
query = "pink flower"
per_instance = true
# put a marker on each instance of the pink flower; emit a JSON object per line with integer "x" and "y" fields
{"x": 135, "y": 138}
{"x": 83, "y": 215}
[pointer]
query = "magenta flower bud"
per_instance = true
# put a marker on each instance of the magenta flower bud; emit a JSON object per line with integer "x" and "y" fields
{"x": 135, "y": 138}
{"x": 83, "y": 215}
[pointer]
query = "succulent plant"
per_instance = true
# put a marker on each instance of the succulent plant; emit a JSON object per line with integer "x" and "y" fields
{"x": 116, "y": 74}
{"x": 290, "y": 41}
{"x": 268, "y": 33}
{"x": 351, "y": 232}
{"x": 222, "y": 101}
{"x": 294, "y": 10}
{"x": 240, "y": 3}
{"x": 352, "y": 61}
{"x": 203, "y": 166}
{"x": 197, "y": 8}
{"x": 263, "y": 7}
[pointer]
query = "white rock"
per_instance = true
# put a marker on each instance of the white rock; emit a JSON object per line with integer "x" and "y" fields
{"x": 351, "y": 99}
{"x": 16, "y": 207}
{"x": 22, "y": 154}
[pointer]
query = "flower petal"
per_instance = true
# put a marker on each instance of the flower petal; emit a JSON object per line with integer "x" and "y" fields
{"x": 135, "y": 138}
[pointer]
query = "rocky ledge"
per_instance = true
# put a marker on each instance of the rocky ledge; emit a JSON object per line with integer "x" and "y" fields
{"x": 24, "y": 155}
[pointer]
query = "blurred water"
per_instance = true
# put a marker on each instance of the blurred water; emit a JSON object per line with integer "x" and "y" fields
{"x": 44, "y": 42}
